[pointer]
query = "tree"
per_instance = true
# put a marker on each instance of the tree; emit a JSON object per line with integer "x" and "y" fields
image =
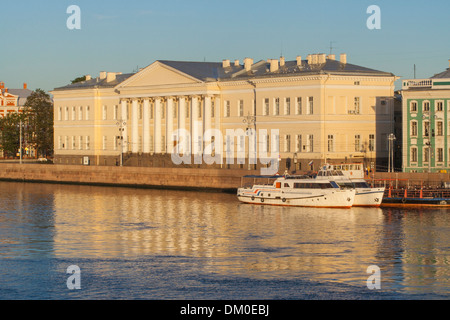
{"x": 39, "y": 115}
{"x": 10, "y": 133}
{"x": 79, "y": 79}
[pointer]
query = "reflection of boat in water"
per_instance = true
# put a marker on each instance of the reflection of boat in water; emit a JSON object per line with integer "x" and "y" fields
{"x": 416, "y": 198}
{"x": 301, "y": 191}
{"x": 353, "y": 177}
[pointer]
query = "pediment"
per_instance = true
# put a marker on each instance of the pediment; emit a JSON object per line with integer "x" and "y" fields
{"x": 158, "y": 74}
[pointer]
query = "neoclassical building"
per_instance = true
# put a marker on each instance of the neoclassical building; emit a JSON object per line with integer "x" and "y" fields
{"x": 301, "y": 113}
{"x": 426, "y": 109}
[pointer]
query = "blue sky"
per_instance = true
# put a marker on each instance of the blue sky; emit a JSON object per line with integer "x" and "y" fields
{"x": 38, "y": 48}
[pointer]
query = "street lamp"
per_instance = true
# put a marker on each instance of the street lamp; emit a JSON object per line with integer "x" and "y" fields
{"x": 391, "y": 139}
{"x": 122, "y": 127}
{"x": 250, "y": 120}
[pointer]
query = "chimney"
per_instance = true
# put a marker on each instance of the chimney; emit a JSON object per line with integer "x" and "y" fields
{"x": 331, "y": 57}
{"x": 343, "y": 58}
{"x": 248, "y": 64}
{"x": 25, "y": 85}
{"x": 236, "y": 63}
{"x": 321, "y": 58}
{"x": 282, "y": 61}
{"x": 299, "y": 60}
{"x": 273, "y": 65}
{"x": 88, "y": 77}
{"x": 110, "y": 76}
{"x": 225, "y": 63}
{"x": 102, "y": 75}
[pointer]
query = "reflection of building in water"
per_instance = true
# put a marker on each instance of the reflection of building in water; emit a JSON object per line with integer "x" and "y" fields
{"x": 426, "y": 251}
{"x": 227, "y": 237}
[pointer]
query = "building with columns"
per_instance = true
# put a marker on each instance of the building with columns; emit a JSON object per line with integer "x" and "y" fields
{"x": 306, "y": 112}
{"x": 426, "y": 110}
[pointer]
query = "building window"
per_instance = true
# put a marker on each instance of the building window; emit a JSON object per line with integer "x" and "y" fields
{"x": 88, "y": 142}
{"x": 287, "y": 143}
{"x": 227, "y": 109}
{"x": 104, "y": 142}
{"x": 73, "y": 142}
{"x": 241, "y": 108}
{"x": 299, "y": 105}
{"x": 357, "y": 105}
{"x": 266, "y": 107}
{"x": 414, "y": 130}
{"x": 74, "y": 113}
{"x": 440, "y": 128}
{"x": 66, "y": 115}
{"x": 60, "y": 114}
{"x": 311, "y": 105}
{"x": 59, "y": 142}
{"x": 426, "y": 106}
{"x": 287, "y": 108}
{"x": 80, "y": 142}
{"x": 80, "y": 114}
{"x": 371, "y": 142}
{"x": 439, "y": 106}
{"x": 276, "y": 108}
{"x": 87, "y": 112}
{"x": 200, "y": 108}
{"x": 414, "y": 154}
{"x": 426, "y": 128}
{"x": 330, "y": 143}
{"x": 426, "y": 154}
{"x": 357, "y": 143}
{"x": 440, "y": 155}
{"x": 299, "y": 143}
{"x": 104, "y": 112}
{"x": 116, "y": 112}
{"x": 413, "y": 106}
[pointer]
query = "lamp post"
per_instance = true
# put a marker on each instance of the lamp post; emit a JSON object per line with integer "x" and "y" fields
{"x": 391, "y": 139}
{"x": 121, "y": 124}
{"x": 250, "y": 120}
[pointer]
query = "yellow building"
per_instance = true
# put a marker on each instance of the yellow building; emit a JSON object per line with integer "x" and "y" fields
{"x": 318, "y": 109}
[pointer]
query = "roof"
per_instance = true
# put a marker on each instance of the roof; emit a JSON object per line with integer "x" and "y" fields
{"x": 214, "y": 71}
{"x": 442, "y": 75}
{"x": 96, "y": 83}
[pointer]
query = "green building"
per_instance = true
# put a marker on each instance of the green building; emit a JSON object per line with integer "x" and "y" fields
{"x": 426, "y": 131}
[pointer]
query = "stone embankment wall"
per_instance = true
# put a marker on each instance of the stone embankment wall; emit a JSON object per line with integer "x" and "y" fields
{"x": 170, "y": 178}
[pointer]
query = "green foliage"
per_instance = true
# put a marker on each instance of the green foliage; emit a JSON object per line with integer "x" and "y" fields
{"x": 39, "y": 115}
{"x": 10, "y": 133}
{"x": 79, "y": 79}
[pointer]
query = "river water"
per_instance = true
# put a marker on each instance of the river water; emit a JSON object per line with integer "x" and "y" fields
{"x": 158, "y": 244}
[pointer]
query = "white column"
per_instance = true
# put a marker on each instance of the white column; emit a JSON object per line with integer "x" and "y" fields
{"x": 169, "y": 125}
{"x": 146, "y": 126}
{"x": 182, "y": 123}
{"x": 195, "y": 125}
{"x": 157, "y": 126}
{"x": 207, "y": 113}
{"x": 125, "y": 131}
{"x": 134, "y": 127}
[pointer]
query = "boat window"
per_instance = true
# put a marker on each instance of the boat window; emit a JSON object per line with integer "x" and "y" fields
{"x": 361, "y": 185}
{"x": 325, "y": 185}
{"x": 286, "y": 185}
{"x": 320, "y": 174}
{"x": 334, "y": 184}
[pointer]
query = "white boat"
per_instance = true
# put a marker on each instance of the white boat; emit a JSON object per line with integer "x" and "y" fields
{"x": 300, "y": 191}
{"x": 353, "y": 177}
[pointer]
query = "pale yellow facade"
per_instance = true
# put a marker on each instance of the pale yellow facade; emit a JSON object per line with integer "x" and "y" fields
{"x": 323, "y": 110}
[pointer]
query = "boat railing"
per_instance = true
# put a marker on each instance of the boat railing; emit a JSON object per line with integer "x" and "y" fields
{"x": 417, "y": 193}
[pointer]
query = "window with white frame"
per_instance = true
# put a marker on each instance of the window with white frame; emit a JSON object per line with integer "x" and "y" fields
{"x": 60, "y": 114}
{"x": 276, "y": 107}
{"x": 66, "y": 115}
{"x": 266, "y": 107}
{"x": 357, "y": 105}
{"x": 80, "y": 142}
{"x": 80, "y": 113}
{"x": 298, "y": 143}
{"x": 413, "y": 106}
{"x": 287, "y": 106}
{"x": 227, "y": 109}
{"x": 287, "y": 143}
{"x": 104, "y": 112}
{"x": 330, "y": 143}
{"x": 241, "y": 108}
{"x": 371, "y": 142}
{"x": 88, "y": 109}
{"x": 105, "y": 143}
{"x": 414, "y": 130}
{"x": 414, "y": 156}
{"x": 310, "y": 105}
{"x": 439, "y": 128}
{"x": 426, "y": 106}
{"x": 88, "y": 142}
{"x": 74, "y": 113}
{"x": 439, "y": 106}
{"x": 440, "y": 155}
{"x": 298, "y": 108}
{"x": 357, "y": 143}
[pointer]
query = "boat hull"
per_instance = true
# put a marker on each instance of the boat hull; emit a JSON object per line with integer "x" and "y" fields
{"x": 325, "y": 199}
{"x": 372, "y": 197}
{"x": 415, "y": 202}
